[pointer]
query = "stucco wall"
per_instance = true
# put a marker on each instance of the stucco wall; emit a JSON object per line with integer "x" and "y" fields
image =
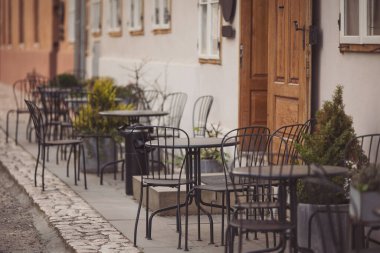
{"x": 172, "y": 60}
{"x": 359, "y": 73}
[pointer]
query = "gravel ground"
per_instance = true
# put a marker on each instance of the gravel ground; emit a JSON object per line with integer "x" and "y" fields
{"x": 23, "y": 227}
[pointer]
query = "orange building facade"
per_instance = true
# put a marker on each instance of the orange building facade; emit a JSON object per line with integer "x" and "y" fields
{"x": 36, "y": 35}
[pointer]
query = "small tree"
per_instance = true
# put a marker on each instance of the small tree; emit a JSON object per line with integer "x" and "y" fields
{"x": 326, "y": 146}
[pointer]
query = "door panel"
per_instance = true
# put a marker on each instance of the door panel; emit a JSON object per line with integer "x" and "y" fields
{"x": 289, "y": 58}
{"x": 253, "y": 63}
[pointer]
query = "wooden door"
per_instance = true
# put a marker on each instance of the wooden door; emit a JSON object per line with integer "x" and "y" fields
{"x": 289, "y": 61}
{"x": 253, "y": 63}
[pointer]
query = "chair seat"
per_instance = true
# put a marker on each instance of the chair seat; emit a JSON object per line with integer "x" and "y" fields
{"x": 261, "y": 226}
{"x": 219, "y": 187}
{"x": 253, "y": 205}
{"x": 165, "y": 182}
{"x": 63, "y": 142}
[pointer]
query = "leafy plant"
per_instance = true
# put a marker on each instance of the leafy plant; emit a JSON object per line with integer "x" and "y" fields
{"x": 367, "y": 179}
{"x": 101, "y": 98}
{"x": 65, "y": 80}
{"x": 212, "y": 153}
{"x": 326, "y": 146}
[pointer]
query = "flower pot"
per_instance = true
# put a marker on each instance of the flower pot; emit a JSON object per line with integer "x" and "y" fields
{"x": 211, "y": 166}
{"x": 320, "y": 228}
{"x": 107, "y": 153}
{"x": 362, "y": 205}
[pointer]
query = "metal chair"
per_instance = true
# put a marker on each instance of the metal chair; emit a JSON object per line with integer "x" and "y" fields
{"x": 175, "y": 105}
{"x": 22, "y": 89}
{"x": 217, "y": 183}
{"x": 201, "y": 110}
{"x": 259, "y": 202}
{"x": 44, "y": 143}
{"x": 293, "y": 134}
{"x": 160, "y": 164}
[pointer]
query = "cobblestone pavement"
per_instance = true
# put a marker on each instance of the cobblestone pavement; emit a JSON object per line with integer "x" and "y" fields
{"x": 80, "y": 226}
{"x": 22, "y": 227}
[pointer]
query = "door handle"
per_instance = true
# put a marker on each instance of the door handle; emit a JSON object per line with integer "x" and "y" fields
{"x": 297, "y": 28}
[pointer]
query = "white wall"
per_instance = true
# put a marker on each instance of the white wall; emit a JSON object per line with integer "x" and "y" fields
{"x": 359, "y": 73}
{"x": 172, "y": 60}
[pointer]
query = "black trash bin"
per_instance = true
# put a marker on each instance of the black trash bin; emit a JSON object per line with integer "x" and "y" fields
{"x": 134, "y": 155}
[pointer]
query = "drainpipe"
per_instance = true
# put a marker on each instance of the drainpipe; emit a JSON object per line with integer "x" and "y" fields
{"x": 80, "y": 39}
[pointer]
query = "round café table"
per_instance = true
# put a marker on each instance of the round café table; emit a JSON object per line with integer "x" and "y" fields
{"x": 290, "y": 174}
{"x": 193, "y": 150}
{"x": 132, "y": 117}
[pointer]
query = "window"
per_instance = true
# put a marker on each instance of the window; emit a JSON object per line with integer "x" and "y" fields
{"x": 136, "y": 16}
{"x": 9, "y": 22}
{"x": 36, "y": 21}
{"x": 209, "y": 30}
{"x": 96, "y": 17}
{"x": 114, "y": 18}
{"x": 162, "y": 16}
{"x": 360, "y": 22}
{"x": 21, "y": 29}
{"x": 71, "y": 21}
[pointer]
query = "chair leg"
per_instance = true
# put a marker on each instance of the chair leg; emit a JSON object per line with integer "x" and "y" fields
{"x": 7, "y": 126}
{"x": 147, "y": 218}
{"x": 138, "y": 216}
{"x": 68, "y": 162}
{"x": 84, "y": 166}
{"x": 178, "y": 214}
{"x": 37, "y": 161}
{"x": 75, "y": 164}
{"x": 222, "y": 228}
{"x": 16, "y": 134}
{"x": 43, "y": 167}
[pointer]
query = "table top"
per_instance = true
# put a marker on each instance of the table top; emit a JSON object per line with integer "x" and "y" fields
{"x": 85, "y": 99}
{"x": 289, "y": 171}
{"x": 194, "y": 142}
{"x": 132, "y": 113}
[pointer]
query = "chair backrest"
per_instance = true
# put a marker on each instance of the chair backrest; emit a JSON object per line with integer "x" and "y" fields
{"x": 148, "y": 101}
{"x": 363, "y": 151}
{"x": 24, "y": 90}
{"x": 174, "y": 104}
{"x": 38, "y": 120}
{"x": 293, "y": 134}
{"x": 158, "y": 153}
{"x": 74, "y": 102}
{"x": 201, "y": 110}
{"x": 53, "y": 103}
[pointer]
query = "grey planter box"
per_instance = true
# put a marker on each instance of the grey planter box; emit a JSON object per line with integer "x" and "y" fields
{"x": 362, "y": 205}
{"x": 106, "y": 153}
{"x": 320, "y": 230}
{"x": 210, "y": 166}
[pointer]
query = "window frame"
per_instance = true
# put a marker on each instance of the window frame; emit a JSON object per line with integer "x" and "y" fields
{"x": 209, "y": 57}
{"x": 362, "y": 42}
{"x": 137, "y": 29}
{"x": 96, "y": 31}
{"x": 71, "y": 7}
{"x": 117, "y": 30}
{"x": 161, "y": 27}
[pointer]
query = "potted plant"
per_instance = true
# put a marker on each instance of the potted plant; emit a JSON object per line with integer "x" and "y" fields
{"x": 365, "y": 193}
{"x": 325, "y": 146}
{"x": 211, "y": 158}
{"x": 97, "y": 129}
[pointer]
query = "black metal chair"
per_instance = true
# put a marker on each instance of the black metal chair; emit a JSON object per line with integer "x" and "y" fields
{"x": 22, "y": 89}
{"x": 293, "y": 134}
{"x": 43, "y": 143}
{"x": 201, "y": 110}
{"x": 175, "y": 105}
{"x": 161, "y": 164}
{"x": 259, "y": 202}
{"x": 217, "y": 183}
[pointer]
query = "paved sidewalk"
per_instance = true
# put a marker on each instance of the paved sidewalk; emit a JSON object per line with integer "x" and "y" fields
{"x": 100, "y": 219}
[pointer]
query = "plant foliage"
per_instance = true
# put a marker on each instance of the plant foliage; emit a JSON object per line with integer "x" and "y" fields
{"x": 367, "y": 179}
{"x": 326, "y": 146}
{"x": 102, "y": 98}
